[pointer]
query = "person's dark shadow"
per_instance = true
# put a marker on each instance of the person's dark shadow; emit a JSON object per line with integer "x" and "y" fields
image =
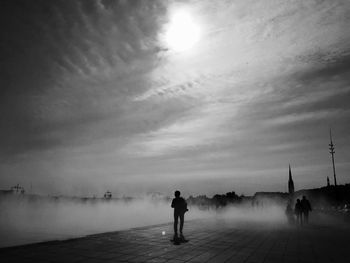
{"x": 179, "y": 239}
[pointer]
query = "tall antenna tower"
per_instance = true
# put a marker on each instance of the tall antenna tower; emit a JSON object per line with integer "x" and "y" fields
{"x": 332, "y": 152}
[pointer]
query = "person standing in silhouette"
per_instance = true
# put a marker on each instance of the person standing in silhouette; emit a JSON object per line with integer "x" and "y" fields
{"x": 180, "y": 208}
{"x": 297, "y": 211}
{"x": 305, "y": 209}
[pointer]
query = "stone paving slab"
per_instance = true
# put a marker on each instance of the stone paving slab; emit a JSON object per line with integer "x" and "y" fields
{"x": 209, "y": 241}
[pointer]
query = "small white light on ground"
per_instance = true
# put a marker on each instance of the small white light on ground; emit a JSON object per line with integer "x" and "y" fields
{"x": 163, "y": 233}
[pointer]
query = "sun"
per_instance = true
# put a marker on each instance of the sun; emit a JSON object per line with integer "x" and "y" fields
{"x": 182, "y": 32}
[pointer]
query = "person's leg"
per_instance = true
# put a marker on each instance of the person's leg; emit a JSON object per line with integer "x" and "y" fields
{"x": 181, "y": 223}
{"x": 175, "y": 224}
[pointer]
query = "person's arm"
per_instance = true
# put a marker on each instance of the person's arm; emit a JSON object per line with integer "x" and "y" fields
{"x": 172, "y": 204}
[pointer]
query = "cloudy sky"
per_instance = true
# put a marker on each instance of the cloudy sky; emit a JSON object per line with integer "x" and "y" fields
{"x": 203, "y": 96}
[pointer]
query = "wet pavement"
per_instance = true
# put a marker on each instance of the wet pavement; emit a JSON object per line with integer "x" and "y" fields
{"x": 209, "y": 241}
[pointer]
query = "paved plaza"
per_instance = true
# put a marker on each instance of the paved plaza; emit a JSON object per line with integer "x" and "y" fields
{"x": 209, "y": 241}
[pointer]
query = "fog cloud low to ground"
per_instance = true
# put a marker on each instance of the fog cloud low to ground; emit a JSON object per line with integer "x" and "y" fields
{"x": 24, "y": 221}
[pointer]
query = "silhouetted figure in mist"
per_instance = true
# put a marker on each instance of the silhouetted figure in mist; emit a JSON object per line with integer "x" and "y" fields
{"x": 180, "y": 208}
{"x": 305, "y": 209}
{"x": 290, "y": 213}
{"x": 297, "y": 211}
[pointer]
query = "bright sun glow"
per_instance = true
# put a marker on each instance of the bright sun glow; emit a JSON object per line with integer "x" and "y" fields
{"x": 182, "y": 33}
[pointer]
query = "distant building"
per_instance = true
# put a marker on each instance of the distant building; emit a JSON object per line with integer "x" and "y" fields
{"x": 290, "y": 183}
{"x": 17, "y": 189}
{"x": 108, "y": 195}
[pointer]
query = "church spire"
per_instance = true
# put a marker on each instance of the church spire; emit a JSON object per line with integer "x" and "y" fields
{"x": 290, "y": 183}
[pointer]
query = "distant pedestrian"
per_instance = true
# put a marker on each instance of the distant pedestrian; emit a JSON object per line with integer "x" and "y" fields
{"x": 305, "y": 209}
{"x": 297, "y": 211}
{"x": 180, "y": 208}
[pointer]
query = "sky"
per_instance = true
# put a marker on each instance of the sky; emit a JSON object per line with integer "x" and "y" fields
{"x": 101, "y": 95}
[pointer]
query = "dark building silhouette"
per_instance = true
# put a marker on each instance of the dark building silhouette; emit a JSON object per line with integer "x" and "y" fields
{"x": 290, "y": 183}
{"x": 17, "y": 189}
{"x": 328, "y": 197}
{"x": 107, "y": 195}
